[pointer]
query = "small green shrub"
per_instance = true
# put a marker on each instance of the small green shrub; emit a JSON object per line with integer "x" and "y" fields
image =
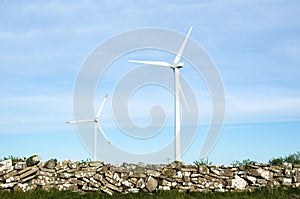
{"x": 203, "y": 161}
{"x": 13, "y": 158}
{"x": 293, "y": 159}
{"x": 276, "y": 161}
{"x": 87, "y": 160}
{"x": 245, "y": 163}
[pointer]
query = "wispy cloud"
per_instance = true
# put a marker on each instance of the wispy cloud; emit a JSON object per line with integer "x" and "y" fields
{"x": 262, "y": 108}
{"x": 29, "y": 114}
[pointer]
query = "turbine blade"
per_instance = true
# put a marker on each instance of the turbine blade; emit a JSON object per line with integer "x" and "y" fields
{"x": 103, "y": 134}
{"x": 179, "y": 54}
{"x": 102, "y": 105}
{"x": 156, "y": 63}
{"x": 80, "y": 121}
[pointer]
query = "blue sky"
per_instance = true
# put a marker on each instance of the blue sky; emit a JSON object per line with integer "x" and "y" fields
{"x": 254, "y": 44}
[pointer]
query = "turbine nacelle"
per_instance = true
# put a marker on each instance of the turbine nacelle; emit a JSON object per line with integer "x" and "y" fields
{"x": 178, "y": 65}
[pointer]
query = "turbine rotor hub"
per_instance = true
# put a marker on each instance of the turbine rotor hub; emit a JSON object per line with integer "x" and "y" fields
{"x": 178, "y": 65}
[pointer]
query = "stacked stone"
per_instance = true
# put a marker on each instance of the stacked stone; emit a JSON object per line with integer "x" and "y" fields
{"x": 31, "y": 173}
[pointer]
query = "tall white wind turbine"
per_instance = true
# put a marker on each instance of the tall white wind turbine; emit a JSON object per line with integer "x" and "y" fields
{"x": 97, "y": 126}
{"x": 177, "y": 89}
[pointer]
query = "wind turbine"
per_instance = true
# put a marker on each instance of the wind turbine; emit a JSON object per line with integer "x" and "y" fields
{"x": 97, "y": 126}
{"x": 177, "y": 88}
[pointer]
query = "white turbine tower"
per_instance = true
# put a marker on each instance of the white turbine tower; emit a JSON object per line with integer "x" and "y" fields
{"x": 97, "y": 126}
{"x": 177, "y": 88}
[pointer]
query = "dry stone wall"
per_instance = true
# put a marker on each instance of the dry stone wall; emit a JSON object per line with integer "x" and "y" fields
{"x": 31, "y": 174}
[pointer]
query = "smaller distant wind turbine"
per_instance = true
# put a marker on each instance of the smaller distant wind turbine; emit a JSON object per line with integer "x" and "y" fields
{"x": 97, "y": 126}
{"x": 177, "y": 89}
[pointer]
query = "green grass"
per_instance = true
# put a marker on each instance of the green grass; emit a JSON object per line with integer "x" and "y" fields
{"x": 278, "y": 193}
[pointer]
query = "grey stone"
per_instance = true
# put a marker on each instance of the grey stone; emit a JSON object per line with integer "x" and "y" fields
{"x": 267, "y": 175}
{"x": 119, "y": 169}
{"x": 113, "y": 187}
{"x": 102, "y": 169}
{"x": 239, "y": 183}
{"x": 297, "y": 176}
{"x": 190, "y": 168}
{"x": 51, "y": 164}
{"x": 20, "y": 165}
{"x": 164, "y": 188}
{"x": 116, "y": 177}
{"x": 175, "y": 165}
{"x": 286, "y": 181}
{"x": 251, "y": 179}
{"x": 13, "y": 179}
{"x": 127, "y": 184}
{"x": 106, "y": 190}
{"x": 86, "y": 187}
{"x": 137, "y": 175}
{"x": 30, "y": 171}
{"x": 185, "y": 188}
{"x": 73, "y": 165}
{"x": 178, "y": 175}
{"x": 165, "y": 183}
{"x": 49, "y": 187}
{"x": 65, "y": 163}
{"x": 288, "y": 165}
{"x": 6, "y": 165}
{"x": 215, "y": 171}
{"x": 95, "y": 164}
{"x": 296, "y": 166}
{"x": 153, "y": 173}
{"x": 203, "y": 169}
{"x": 141, "y": 164}
{"x": 151, "y": 184}
{"x": 7, "y": 185}
{"x": 133, "y": 190}
{"x": 186, "y": 173}
{"x": 87, "y": 174}
{"x": 261, "y": 182}
{"x": 10, "y": 174}
{"x": 24, "y": 187}
{"x": 66, "y": 175}
{"x": 169, "y": 172}
{"x": 28, "y": 178}
{"x": 74, "y": 181}
{"x": 288, "y": 173}
{"x": 33, "y": 160}
{"x": 49, "y": 170}
{"x": 24, "y": 170}
{"x": 227, "y": 173}
{"x": 275, "y": 169}
{"x": 195, "y": 175}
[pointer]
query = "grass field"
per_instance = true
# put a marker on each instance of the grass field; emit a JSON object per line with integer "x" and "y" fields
{"x": 278, "y": 193}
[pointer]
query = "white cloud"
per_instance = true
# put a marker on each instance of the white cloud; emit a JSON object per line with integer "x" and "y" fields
{"x": 62, "y": 8}
{"x": 289, "y": 49}
{"x": 262, "y": 108}
{"x": 26, "y": 114}
{"x": 20, "y": 36}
